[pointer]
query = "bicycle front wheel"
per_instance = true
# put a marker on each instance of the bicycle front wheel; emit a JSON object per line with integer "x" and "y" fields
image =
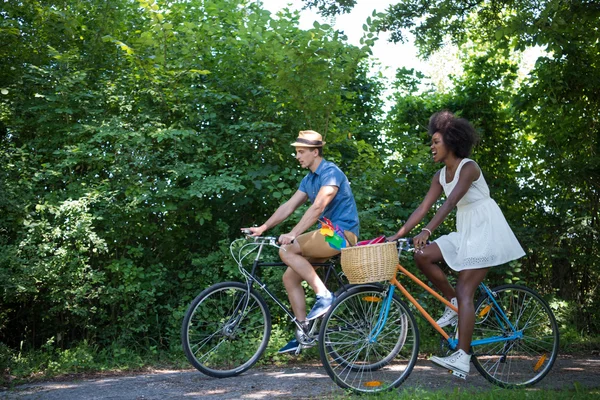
{"x": 358, "y": 355}
{"x": 523, "y": 361}
{"x": 226, "y": 329}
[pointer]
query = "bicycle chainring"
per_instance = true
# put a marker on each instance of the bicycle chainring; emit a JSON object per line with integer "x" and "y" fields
{"x": 445, "y": 348}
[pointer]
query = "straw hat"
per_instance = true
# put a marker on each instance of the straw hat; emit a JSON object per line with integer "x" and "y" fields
{"x": 309, "y": 139}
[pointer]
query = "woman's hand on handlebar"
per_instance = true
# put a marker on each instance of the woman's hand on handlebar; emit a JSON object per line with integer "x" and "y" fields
{"x": 421, "y": 240}
{"x": 392, "y": 238}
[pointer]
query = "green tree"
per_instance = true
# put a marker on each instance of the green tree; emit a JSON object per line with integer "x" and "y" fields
{"x": 137, "y": 138}
{"x": 540, "y": 135}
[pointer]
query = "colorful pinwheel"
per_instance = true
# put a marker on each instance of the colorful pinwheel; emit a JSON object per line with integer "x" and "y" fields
{"x": 333, "y": 234}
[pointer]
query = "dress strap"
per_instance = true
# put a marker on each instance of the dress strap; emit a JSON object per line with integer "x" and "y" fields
{"x": 456, "y": 174}
{"x": 462, "y": 163}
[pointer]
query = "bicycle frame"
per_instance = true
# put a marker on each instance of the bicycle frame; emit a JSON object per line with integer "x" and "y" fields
{"x": 252, "y": 278}
{"x": 369, "y": 340}
{"x": 394, "y": 283}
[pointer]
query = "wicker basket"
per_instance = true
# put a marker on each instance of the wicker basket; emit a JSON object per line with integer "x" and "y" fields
{"x": 372, "y": 263}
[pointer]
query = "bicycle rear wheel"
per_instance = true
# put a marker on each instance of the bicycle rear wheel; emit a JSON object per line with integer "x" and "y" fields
{"x": 520, "y": 362}
{"x": 351, "y": 358}
{"x": 221, "y": 335}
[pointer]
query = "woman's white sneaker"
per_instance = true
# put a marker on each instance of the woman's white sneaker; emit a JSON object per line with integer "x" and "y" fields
{"x": 457, "y": 363}
{"x": 450, "y": 317}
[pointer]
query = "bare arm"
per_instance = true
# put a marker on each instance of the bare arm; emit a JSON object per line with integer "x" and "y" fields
{"x": 435, "y": 191}
{"x": 284, "y": 211}
{"x": 324, "y": 197}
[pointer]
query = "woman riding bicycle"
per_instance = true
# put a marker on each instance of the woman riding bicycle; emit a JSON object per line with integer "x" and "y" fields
{"x": 483, "y": 238}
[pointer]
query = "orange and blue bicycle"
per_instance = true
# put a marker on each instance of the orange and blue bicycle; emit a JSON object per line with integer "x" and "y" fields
{"x": 369, "y": 340}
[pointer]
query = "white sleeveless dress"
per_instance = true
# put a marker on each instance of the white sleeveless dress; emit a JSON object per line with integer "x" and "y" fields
{"x": 483, "y": 238}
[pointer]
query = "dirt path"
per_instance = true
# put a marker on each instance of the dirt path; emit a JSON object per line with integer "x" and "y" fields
{"x": 291, "y": 382}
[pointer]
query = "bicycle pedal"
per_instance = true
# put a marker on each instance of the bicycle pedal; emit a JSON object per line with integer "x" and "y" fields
{"x": 459, "y": 374}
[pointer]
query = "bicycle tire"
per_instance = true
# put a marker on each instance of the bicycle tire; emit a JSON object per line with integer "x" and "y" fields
{"x": 350, "y": 359}
{"x": 217, "y": 339}
{"x": 522, "y": 362}
{"x": 377, "y": 363}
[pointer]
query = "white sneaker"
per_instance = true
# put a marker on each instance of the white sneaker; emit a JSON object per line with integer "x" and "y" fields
{"x": 457, "y": 363}
{"x": 450, "y": 317}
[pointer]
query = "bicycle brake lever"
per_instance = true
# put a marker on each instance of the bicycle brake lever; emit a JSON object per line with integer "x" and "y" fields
{"x": 274, "y": 243}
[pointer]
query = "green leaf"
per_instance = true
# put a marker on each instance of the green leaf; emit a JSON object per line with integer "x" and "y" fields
{"x": 199, "y": 71}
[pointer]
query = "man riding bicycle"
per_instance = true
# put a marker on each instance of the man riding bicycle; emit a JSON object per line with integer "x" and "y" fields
{"x": 328, "y": 189}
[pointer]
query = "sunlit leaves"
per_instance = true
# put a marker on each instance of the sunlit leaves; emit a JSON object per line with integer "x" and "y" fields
{"x": 176, "y": 118}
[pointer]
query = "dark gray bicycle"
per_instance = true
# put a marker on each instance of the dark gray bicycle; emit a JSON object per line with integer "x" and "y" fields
{"x": 227, "y": 327}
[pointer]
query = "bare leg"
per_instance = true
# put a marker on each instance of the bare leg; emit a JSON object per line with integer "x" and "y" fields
{"x": 299, "y": 269}
{"x": 427, "y": 260}
{"x": 292, "y": 257}
{"x": 293, "y": 285}
{"x": 468, "y": 280}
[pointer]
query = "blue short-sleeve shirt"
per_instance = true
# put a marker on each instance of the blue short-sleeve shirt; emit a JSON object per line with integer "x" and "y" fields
{"x": 342, "y": 209}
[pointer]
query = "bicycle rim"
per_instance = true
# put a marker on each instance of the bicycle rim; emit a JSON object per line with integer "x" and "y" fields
{"x": 357, "y": 363}
{"x": 520, "y": 362}
{"x": 220, "y": 337}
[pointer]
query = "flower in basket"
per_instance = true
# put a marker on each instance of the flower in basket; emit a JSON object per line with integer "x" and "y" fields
{"x": 333, "y": 234}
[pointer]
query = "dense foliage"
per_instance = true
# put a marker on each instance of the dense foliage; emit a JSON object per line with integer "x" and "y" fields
{"x": 540, "y": 133}
{"x": 137, "y": 137}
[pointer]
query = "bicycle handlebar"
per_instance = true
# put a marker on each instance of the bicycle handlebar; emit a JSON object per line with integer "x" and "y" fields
{"x": 262, "y": 240}
{"x": 406, "y": 244}
{"x": 403, "y": 244}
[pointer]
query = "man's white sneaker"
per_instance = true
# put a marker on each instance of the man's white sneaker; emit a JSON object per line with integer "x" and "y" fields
{"x": 457, "y": 363}
{"x": 450, "y": 317}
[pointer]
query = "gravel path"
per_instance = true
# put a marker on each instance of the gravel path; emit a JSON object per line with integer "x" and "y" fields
{"x": 288, "y": 382}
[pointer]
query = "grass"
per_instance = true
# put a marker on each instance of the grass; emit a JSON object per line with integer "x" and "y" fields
{"x": 48, "y": 362}
{"x": 573, "y": 392}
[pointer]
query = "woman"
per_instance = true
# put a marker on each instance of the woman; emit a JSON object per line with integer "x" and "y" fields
{"x": 482, "y": 239}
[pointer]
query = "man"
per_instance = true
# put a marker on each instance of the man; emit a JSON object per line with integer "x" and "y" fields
{"x": 329, "y": 191}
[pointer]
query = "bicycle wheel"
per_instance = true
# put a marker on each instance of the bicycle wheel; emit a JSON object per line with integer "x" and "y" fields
{"x": 351, "y": 358}
{"x": 221, "y": 336}
{"x": 523, "y": 361}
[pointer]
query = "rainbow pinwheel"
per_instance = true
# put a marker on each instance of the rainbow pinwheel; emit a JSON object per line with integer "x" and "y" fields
{"x": 333, "y": 234}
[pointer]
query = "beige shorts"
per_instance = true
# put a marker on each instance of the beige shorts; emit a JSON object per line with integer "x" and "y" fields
{"x": 314, "y": 246}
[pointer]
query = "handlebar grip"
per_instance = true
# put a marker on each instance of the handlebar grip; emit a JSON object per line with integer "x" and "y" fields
{"x": 410, "y": 241}
{"x": 279, "y": 243}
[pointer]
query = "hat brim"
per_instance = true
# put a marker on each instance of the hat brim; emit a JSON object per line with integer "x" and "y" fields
{"x": 297, "y": 144}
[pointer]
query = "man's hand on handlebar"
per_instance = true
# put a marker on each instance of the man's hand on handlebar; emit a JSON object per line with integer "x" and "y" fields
{"x": 253, "y": 231}
{"x": 286, "y": 238}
